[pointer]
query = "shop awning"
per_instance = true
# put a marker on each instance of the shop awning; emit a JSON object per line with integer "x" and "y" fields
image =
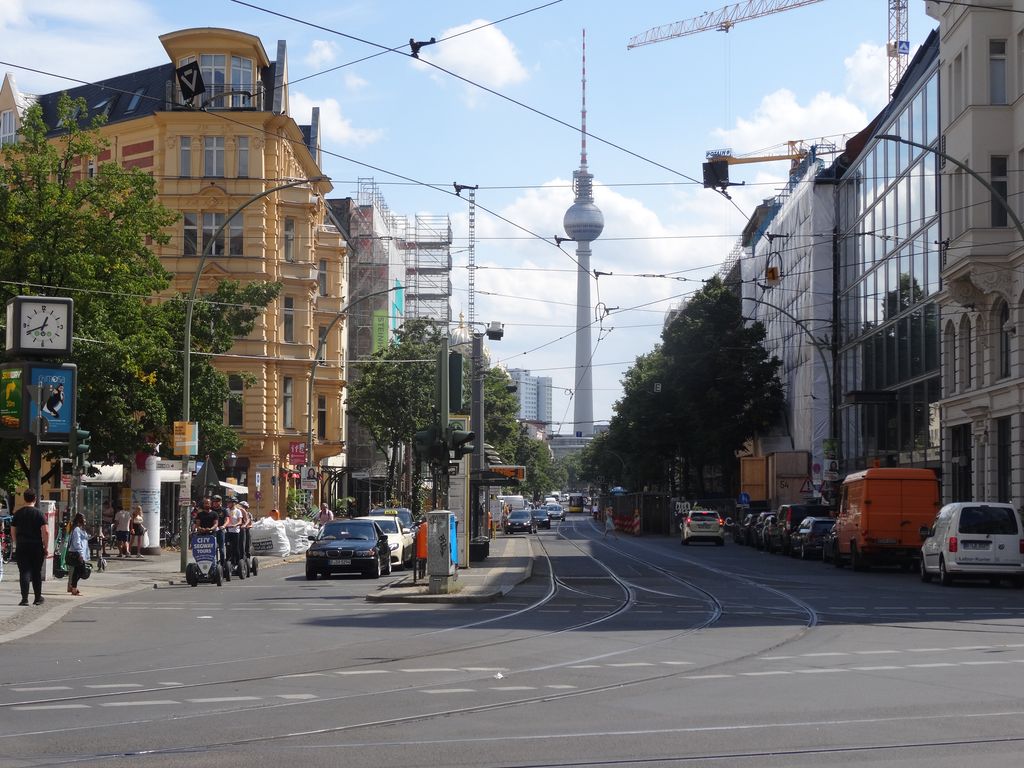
{"x": 239, "y": 489}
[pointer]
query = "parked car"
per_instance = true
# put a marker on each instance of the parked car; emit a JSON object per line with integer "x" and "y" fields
{"x": 703, "y": 525}
{"x": 520, "y": 520}
{"x": 540, "y": 516}
{"x": 744, "y": 532}
{"x": 757, "y": 532}
{"x": 348, "y": 546}
{"x": 789, "y": 518}
{"x": 828, "y": 544}
{"x": 555, "y": 511}
{"x": 806, "y": 541}
{"x": 400, "y": 539}
{"x": 974, "y": 540}
{"x": 771, "y": 534}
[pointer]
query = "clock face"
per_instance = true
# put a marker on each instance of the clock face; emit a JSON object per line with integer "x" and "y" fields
{"x": 44, "y": 325}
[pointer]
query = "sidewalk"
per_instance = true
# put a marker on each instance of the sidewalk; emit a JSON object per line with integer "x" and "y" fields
{"x": 509, "y": 562}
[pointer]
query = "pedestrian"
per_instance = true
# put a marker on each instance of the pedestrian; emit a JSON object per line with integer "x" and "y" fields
{"x": 78, "y": 552}
{"x": 232, "y": 527}
{"x": 218, "y": 509}
{"x": 325, "y": 514}
{"x": 122, "y": 530}
{"x": 138, "y": 531}
{"x": 245, "y": 529}
{"x": 106, "y": 526}
{"x": 31, "y": 534}
{"x": 609, "y": 523}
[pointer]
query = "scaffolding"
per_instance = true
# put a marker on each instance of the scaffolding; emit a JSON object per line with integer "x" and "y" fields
{"x": 427, "y": 246}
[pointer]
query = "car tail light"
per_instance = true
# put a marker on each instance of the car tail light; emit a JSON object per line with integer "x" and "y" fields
{"x": 1021, "y": 543}
{"x": 721, "y": 523}
{"x": 953, "y": 544}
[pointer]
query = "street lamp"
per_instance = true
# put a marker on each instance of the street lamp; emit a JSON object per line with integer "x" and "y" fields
{"x": 320, "y": 351}
{"x": 186, "y": 381}
{"x": 820, "y": 345}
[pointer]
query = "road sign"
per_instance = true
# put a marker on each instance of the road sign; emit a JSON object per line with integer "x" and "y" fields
{"x": 806, "y": 489}
{"x": 297, "y": 452}
{"x": 743, "y": 498}
{"x": 190, "y": 80}
{"x": 186, "y": 438}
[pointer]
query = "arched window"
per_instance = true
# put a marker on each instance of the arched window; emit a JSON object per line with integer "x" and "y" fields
{"x": 1005, "y": 338}
{"x": 966, "y": 355}
{"x": 949, "y": 360}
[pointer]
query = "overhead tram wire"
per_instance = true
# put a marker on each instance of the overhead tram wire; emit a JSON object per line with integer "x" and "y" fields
{"x": 467, "y": 81}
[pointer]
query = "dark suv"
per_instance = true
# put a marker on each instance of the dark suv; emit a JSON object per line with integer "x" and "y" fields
{"x": 788, "y": 519}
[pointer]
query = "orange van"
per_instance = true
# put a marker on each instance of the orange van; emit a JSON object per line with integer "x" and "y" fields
{"x": 880, "y": 516}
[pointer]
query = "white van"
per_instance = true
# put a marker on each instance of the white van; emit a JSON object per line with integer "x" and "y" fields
{"x": 979, "y": 539}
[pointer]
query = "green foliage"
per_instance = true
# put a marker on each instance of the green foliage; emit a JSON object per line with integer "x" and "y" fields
{"x": 691, "y": 402}
{"x": 87, "y": 238}
{"x": 394, "y": 396}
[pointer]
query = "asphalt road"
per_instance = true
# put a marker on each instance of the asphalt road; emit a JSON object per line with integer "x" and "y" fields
{"x": 617, "y": 652}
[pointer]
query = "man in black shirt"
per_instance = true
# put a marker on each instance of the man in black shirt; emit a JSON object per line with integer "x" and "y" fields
{"x": 30, "y": 533}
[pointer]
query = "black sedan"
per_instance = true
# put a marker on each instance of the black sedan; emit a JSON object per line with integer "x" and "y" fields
{"x": 521, "y": 521}
{"x": 541, "y": 517}
{"x": 808, "y": 540}
{"x": 348, "y": 546}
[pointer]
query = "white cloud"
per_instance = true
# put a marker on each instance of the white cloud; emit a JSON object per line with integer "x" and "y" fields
{"x": 485, "y": 56}
{"x": 336, "y": 129}
{"x": 321, "y": 53}
{"x": 12, "y": 13}
{"x": 867, "y": 76}
{"x": 354, "y": 82}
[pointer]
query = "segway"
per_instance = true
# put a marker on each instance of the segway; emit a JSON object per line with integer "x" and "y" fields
{"x": 204, "y": 567}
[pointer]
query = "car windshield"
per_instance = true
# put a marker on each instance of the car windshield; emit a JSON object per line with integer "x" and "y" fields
{"x": 519, "y": 514}
{"x": 538, "y": 512}
{"x": 388, "y": 525}
{"x": 823, "y": 525}
{"x": 703, "y": 516}
{"x": 985, "y": 520}
{"x": 555, "y": 507}
{"x": 348, "y": 530}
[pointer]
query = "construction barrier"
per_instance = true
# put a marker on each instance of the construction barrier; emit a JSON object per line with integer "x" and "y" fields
{"x": 636, "y": 522}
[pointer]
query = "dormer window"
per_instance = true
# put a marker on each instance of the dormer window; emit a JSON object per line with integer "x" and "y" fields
{"x": 213, "y": 68}
{"x": 133, "y": 104}
{"x": 8, "y": 131}
{"x": 241, "y": 81}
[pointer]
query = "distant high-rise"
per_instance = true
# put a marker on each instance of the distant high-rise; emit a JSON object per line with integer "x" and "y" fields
{"x": 583, "y": 223}
{"x": 534, "y": 393}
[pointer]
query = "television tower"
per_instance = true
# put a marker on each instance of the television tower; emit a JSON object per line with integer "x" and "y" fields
{"x": 583, "y": 222}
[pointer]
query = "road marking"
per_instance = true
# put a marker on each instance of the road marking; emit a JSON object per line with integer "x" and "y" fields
{"x": 151, "y": 702}
{"x": 678, "y": 663}
{"x": 820, "y": 671}
{"x": 447, "y": 690}
{"x": 299, "y": 674}
{"x": 37, "y": 707}
{"x": 115, "y": 685}
{"x": 43, "y": 688}
{"x": 874, "y": 653}
{"x": 584, "y": 666}
{"x": 362, "y": 672}
{"x": 632, "y": 664}
{"x": 170, "y": 683}
{"x": 485, "y": 669}
{"x": 222, "y": 699}
{"x": 824, "y": 653}
{"x": 873, "y": 669}
{"x": 706, "y": 677}
{"x": 513, "y": 688}
{"x": 430, "y": 669}
{"x": 983, "y": 663}
{"x": 931, "y": 666}
{"x": 561, "y": 687}
{"x": 763, "y": 674}
{"x": 296, "y": 695}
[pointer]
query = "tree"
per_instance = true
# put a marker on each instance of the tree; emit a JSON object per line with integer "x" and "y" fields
{"x": 68, "y": 233}
{"x": 394, "y": 397}
{"x": 71, "y": 234}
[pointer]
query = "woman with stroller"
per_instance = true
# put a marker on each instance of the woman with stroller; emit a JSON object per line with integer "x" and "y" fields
{"x": 78, "y": 552}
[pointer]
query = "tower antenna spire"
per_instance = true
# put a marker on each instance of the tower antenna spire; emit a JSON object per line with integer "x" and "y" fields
{"x": 583, "y": 108}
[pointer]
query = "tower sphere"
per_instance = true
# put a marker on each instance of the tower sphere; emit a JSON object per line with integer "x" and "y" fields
{"x": 583, "y": 222}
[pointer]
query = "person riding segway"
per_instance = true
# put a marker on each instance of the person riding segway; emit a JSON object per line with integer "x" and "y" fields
{"x": 203, "y": 545}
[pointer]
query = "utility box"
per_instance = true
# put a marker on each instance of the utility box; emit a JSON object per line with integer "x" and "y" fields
{"x": 442, "y": 550}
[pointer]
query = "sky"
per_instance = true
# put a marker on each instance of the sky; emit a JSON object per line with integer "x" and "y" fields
{"x": 499, "y": 107}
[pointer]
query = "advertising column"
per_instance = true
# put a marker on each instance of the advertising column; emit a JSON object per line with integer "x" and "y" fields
{"x": 146, "y": 492}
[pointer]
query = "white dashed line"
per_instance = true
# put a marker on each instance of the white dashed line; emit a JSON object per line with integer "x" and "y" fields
{"x": 115, "y": 685}
{"x": 36, "y": 689}
{"x": 39, "y": 707}
{"x": 429, "y": 669}
{"x": 296, "y": 696}
{"x": 362, "y": 672}
{"x": 706, "y": 677}
{"x": 448, "y": 690}
{"x": 223, "y": 699}
{"x": 513, "y": 688}
{"x": 150, "y": 703}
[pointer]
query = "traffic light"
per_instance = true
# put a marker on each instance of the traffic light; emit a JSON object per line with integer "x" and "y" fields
{"x": 78, "y": 444}
{"x": 455, "y": 382}
{"x": 460, "y": 443}
{"x": 429, "y": 446}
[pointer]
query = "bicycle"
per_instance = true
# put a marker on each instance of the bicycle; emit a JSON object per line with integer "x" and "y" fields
{"x": 6, "y": 543}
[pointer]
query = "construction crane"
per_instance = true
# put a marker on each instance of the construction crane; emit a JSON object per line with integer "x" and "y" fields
{"x": 716, "y": 169}
{"x": 724, "y": 19}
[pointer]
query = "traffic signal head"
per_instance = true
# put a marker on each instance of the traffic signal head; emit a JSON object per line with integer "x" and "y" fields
{"x": 428, "y": 444}
{"x": 460, "y": 443}
{"x": 78, "y": 443}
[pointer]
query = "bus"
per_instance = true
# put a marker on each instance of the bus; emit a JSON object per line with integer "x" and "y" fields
{"x": 577, "y": 503}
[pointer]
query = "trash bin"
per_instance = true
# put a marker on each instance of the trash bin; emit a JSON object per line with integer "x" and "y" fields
{"x": 479, "y": 549}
